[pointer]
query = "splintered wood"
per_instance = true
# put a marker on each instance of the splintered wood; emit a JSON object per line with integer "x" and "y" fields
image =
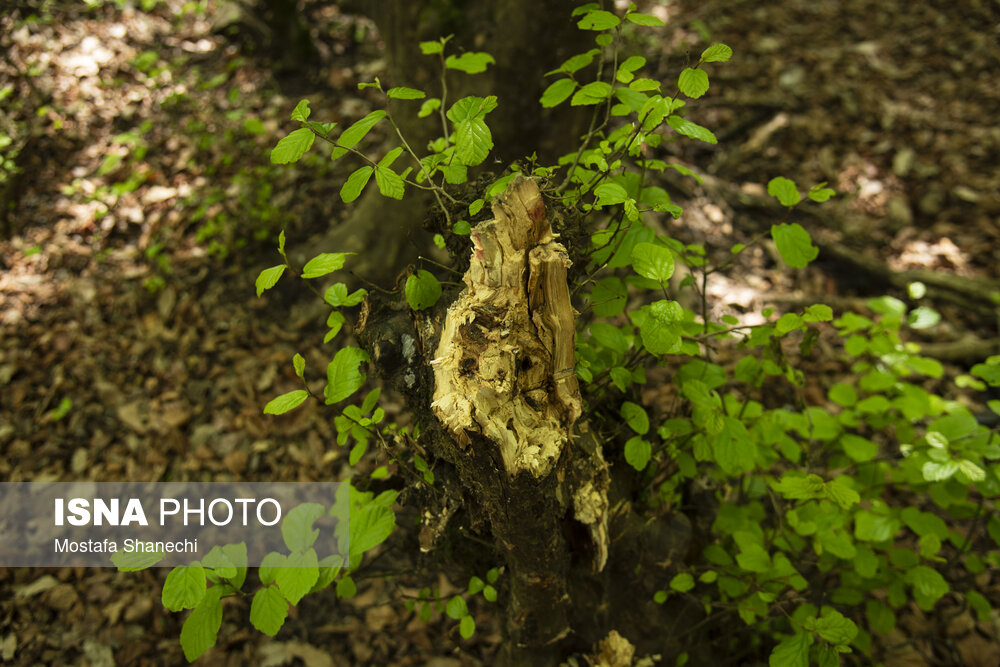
{"x": 504, "y": 366}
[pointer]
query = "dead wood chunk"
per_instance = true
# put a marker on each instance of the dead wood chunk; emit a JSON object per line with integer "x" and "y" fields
{"x": 504, "y": 365}
{"x": 613, "y": 651}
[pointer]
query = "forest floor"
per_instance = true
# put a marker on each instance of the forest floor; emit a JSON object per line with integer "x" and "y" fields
{"x": 132, "y": 346}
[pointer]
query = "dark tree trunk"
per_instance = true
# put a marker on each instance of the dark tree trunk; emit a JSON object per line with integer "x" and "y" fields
{"x": 527, "y": 38}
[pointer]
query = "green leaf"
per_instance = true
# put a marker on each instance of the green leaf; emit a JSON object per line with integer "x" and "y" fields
{"x": 794, "y": 244}
{"x": 133, "y": 561}
{"x": 557, "y": 92}
{"x": 609, "y": 194}
{"x": 472, "y": 137}
{"x": 470, "y": 62}
{"x": 819, "y": 193}
{"x": 201, "y": 628}
{"x": 429, "y": 107}
{"x": 638, "y": 452}
{"x": 350, "y": 137}
{"x": 598, "y": 19}
{"x": 390, "y": 184}
{"x": 858, "y": 448}
{"x": 693, "y": 130}
{"x": 659, "y": 326}
{"x": 793, "y": 651}
{"x": 456, "y": 607}
{"x": 653, "y": 261}
{"x": 490, "y": 593}
{"x": 693, "y": 82}
{"x": 430, "y": 48}
{"x": 296, "y": 527}
{"x": 268, "y": 278}
{"x": 475, "y": 585}
{"x": 324, "y": 263}
{"x": 297, "y": 576}
{"x": 268, "y": 610}
{"x": 593, "y": 93}
{"x": 219, "y": 562}
{"x": 928, "y": 585}
{"x": 336, "y": 295}
{"x": 355, "y": 183}
{"x": 608, "y": 297}
{"x": 299, "y": 364}
{"x": 403, "y": 93}
{"x": 343, "y": 375}
{"x": 635, "y": 416}
{"x": 467, "y": 627}
{"x": 835, "y": 628}
{"x": 293, "y": 146}
{"x": 346, "y": 588}
{"x": 301, "y": 111}
{"x": 717, "y": 53}
{"x": 184, "y": 587}
{"x": 840, "y": 492}
{"x": 282, "y": 404}
{"x": 971, "y": 470}
{"x": 644, "y": 19}
{"x": 754, "y": 557}
{"x": 923, "y": 317}
{"x": 370, "y": 527}
{"x": 682, "y": 582}
{"x": 578, "y": 62}
{"x": 784, "y": 190}
{"x": 422, "y": 290}
{"x": 475, "y": 207}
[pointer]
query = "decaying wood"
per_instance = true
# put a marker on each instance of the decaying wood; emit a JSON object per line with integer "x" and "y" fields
{"x": 504, "y": 365}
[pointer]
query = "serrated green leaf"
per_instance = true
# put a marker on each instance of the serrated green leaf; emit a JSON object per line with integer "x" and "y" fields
{"x": 598, "y": 19}
{"x": 404, "y": 93}
{"x": 693, "y": 130}
{"x": 301, "y": 111}
{"x": 297, "y": 576}
{"x": 840, "y": 492}
{"x": 268, "y": 278}
{"x": 753, "y": 557}
{"x": 297, "y": 526}
{"x": 422, "y": 290}
{"x": 350, "y": 137}
{"x": 472, "y": 137}
{"x": 971, "y": 470}
{"x": 644, "y": 19}
{"x": 470, "y": 62}
{"x": 784, "y": 190}
{"x": 370, "y": 527}
{"x": 557, "y": 92}
{"x": 292, "y": 147}
{"x": 653, "y": 261}
{"x": 659, "y": 326}
{"x": 592, "y": 93}
{"x": 390, "y": 184}
{"x": 268, "y": 610}
{"x": 793, "y": 651}
{"x": 184, "y": 587}
{"x": 343, "y": 374}
{"x": 610, "y": 194}
{"x": 201, "y": 627}
{"x": 794, "y": 244}
{"x": 693, "y": 82}
{"x": 717, "y": 53}
{"x": 324, "y": 263}
{"x": 219, "y": 562}
{"x": 286, "y": 402}
{"x": 355, "y": 183}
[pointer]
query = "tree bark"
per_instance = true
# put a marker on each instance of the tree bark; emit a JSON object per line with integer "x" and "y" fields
{"x": 491, "y": 380}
